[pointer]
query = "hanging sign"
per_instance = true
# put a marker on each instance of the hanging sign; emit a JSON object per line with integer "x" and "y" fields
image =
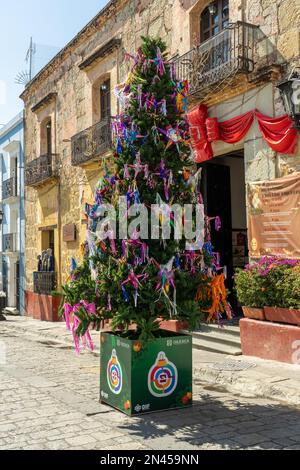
{"x": 69, "y": 233}
{"x": 274, "y": 217}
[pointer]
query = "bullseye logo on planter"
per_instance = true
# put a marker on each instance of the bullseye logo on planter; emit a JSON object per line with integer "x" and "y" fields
{"x": 114, "y": 374}
{"x": 163, "y": 377}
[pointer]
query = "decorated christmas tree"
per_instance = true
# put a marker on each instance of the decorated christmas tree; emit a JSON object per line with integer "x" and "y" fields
{"x": 139, "y": 267}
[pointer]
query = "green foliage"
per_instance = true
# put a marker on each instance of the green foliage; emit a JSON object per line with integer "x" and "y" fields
{"x": 279, "y": 287}
{"x": 250, "y": 288}
{"x": 283, "y": 287}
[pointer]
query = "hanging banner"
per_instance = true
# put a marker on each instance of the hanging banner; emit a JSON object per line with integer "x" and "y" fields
{"x": 274, "y": 217}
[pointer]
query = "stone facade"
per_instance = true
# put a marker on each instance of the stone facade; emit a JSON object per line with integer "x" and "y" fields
{"x": 73, "y": 106}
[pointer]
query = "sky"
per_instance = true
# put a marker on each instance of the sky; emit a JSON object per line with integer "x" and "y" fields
{"x": 50, "y": 24}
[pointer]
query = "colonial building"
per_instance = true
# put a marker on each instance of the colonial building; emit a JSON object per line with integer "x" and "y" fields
{"x": 233, "y": 52}
{"x": 12, "y": 212}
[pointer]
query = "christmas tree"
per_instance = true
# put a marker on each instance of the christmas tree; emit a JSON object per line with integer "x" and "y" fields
{"x": 138, "y": 273}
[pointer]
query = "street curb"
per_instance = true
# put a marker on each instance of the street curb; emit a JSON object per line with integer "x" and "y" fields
{"x": 248, "y": 386}
{"x": 244, "y": 383}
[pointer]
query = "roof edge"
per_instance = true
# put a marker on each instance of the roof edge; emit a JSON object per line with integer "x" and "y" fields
{"x": 14, "y": 122}
{"x": 68, "y": 45}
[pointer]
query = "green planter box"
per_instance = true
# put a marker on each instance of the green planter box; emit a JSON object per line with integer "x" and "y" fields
{"x": 139, "y": 378}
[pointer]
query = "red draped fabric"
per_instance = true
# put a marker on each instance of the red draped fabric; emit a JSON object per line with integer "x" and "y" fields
{"x": 233, "y": 130}
{"x": 277, "y": 132}
{"x": 200, "y": 145}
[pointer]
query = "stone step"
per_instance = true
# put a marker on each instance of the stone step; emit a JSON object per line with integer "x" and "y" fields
{"x": 216, "y": 347}
{"x": 228, "y": 330}
{"x": 218, "y": 337}
{"x": 11, "y": 311}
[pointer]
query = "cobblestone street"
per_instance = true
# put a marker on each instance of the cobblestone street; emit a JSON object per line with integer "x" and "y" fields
{"x": 49, "y": 400}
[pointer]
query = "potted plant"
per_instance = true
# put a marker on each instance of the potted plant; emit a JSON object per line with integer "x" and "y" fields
{"x": 269, "y": 289}
{"x": 136, "y": 281}
{"x": 284, "y": 282}
{"x": 251, "y": 288}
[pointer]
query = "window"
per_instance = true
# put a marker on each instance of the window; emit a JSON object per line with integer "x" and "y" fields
{"x": 46, "y": 137}
{"x": 214, "y": 19}
{"x": 49, "y": 137}
{"x": 105, "y": 109}
{"x": 14, "y": 174}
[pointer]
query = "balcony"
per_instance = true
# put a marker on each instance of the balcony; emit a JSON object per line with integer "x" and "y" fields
{"x": 10, "y": 243}
{"x": 44, "y": 282}
{"x": 216, "y": 60}
{"x": 41, "y": 170}
{"x": 91, "y": 143}
{"x": 10, "y": 189}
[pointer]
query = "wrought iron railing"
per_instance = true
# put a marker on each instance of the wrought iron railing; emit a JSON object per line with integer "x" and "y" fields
{"x": 91, "y": 142}
{"x": 40, "y": 170}
{"x": 230, "y": 51}
{"x": 10, "y": 242}
{"x": 10, "y": 188}
{"x": 44, "y": 282}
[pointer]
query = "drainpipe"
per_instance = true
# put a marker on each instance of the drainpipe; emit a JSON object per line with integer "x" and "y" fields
{"x": 58, "y": 168}
{"x": 243, "y": 11}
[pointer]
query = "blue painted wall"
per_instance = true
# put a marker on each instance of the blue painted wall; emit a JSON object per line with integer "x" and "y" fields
{"x": 14, "y": 131}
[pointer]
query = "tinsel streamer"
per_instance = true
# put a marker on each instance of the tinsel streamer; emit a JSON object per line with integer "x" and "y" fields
{"x": 166, "y": 279}
{"x": 90, "y": 238}
{"x": 162, "y": 170}
{"x": 129, "y": 194}
{"x": 145, "y": 66}
{"x": 218, "y": 224}
{"x": 109, "y": 308}
{"x": 140, "y": 96}
{"x": 76, "y": 339}
{"x": 111, "y": 236}
{"x": 172, "y": 72}
{"x": 144, "y": 249}
{"x": 137, "y": 197}
{"x": 208, "y": 248}
{"x": 146, "y": 172}
{"x": 67, "y": 311}
{"x": 164, "y": 107}
{"x": 125, "y": 295}
{"x": 98, "y": 198}
{"x": 217, "y": 260}
{"x": 166, "y": 190}
{"x": 119, "y": 146}
{"x": 73, "y": 265}
{"x": 155, "y": 134}
{"x": 159, "y": 63}
{"x": 135, "y": 296}
{"x": 124, "y": 248}
{"x": 177, "y": 261}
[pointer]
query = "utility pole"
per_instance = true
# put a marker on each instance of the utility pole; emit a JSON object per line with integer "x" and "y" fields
{"x": 29, "y": 57}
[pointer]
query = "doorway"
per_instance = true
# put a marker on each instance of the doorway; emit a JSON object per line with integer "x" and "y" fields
{"x": 48, "y": 242}
{"x": 224, "y": 194}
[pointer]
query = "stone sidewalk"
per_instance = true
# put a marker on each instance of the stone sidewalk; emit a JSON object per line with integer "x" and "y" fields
{"x": 49, "y": 399}
{"x": 247, "y": 376}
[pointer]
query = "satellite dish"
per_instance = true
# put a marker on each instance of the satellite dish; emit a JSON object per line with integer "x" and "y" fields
{"x": 22, "y": 78}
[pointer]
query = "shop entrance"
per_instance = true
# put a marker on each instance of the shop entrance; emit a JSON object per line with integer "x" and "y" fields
{"x": 224, "y": 194}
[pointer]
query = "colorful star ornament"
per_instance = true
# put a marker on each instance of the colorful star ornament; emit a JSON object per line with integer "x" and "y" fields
{"x": 137, "y": 278}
